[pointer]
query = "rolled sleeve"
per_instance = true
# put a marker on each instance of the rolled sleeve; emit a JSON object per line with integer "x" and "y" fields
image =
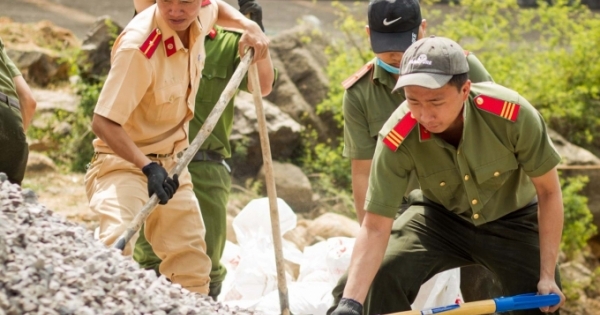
{"x": 388, "y": 180}
{"x": 128, "y": 81}
{"x": 533, "y": 148}
{"x": 358, "y": 143}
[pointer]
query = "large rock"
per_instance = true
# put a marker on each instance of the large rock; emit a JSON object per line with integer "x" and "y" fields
{"x": 291, "y": 185}
{"x": 39, "y": 67}
{"x": 572, "y": 154}
{"x": 299, "y": 55}
{"x": 96, "y": 48}
{"x": 332, "y": 225}
{"x": 284, "y": 135}
{"x": 38, "y": 163}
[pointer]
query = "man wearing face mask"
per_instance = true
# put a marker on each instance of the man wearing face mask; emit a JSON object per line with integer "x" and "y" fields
{"x": 369, "y": 101}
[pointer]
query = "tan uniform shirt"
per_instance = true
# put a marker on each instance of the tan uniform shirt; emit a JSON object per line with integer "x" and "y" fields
{"x": 151, "y": 92}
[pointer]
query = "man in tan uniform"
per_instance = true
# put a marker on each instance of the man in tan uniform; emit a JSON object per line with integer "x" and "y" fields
{"x": 141, "y": 120}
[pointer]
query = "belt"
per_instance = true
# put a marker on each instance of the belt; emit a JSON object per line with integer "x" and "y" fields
{"x": 151, "y": 155}
{"x": 208, "y": 155}
{"x": 9, "y": 101}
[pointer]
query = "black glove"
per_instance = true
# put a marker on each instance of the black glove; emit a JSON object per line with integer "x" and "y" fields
{"x": 348, "y": 307}
{"x": 252, "y": 10}
{"x": 160, "y": 183}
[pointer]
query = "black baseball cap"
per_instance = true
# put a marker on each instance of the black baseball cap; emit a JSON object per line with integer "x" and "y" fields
{"x": 394, "y": 24}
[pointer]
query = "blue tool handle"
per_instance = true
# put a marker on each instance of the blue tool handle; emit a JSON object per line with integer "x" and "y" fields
{"x": 525, "y": 302}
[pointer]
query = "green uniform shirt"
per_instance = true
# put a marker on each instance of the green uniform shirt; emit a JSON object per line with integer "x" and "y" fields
{"x": 8, "y": 71}
{"x": 217, "y": 71}
{"x": 369, "y": 103}
{"x": 484, "y": 179}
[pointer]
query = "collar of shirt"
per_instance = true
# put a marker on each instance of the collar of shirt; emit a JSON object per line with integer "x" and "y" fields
{"x": 383, "y": 77}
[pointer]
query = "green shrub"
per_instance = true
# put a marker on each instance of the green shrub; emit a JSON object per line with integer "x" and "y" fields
{"x": 578, "y": 227}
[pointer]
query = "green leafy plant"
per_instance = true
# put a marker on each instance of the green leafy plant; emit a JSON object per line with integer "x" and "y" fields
{"x": 578, "y": 227}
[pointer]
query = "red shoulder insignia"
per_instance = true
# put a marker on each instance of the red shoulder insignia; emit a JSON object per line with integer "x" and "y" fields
{"x": 357, "y": 75}
{"x": 205, "y": 3}
{"x": 213, "y": 33}
{"x": 395, "y": 137}
{"x": 149, "y": 46}
{"x": 170, "y": 46}
{"x": 498, "y": 107}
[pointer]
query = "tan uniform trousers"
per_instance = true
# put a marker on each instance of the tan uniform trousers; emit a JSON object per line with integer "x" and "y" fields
{"x": 117, "y": 190}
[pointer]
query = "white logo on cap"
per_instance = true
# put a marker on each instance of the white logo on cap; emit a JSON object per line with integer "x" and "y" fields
{"x": 386, "y": 23}
{"x": 421, "y": 60}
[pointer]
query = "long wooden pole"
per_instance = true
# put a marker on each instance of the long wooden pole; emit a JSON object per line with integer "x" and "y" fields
{"x": 207, "y": 128}
{"x": 271, "y": 191}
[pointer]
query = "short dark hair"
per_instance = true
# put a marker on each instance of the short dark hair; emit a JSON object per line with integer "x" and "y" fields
{"x": 458, "y": 80}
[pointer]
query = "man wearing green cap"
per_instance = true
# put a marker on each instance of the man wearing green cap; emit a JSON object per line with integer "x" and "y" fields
{"x": 490, "y": 193}
{"x": 210, "y": 173}
{"x": 368, "y": 100}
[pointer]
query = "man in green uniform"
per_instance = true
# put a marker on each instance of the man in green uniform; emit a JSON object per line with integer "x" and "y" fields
{"x": 368, "y": 101}
{"x": 210, "y": 173}
{"x": 16, "y": 110}
{"x": 490, "y": 193}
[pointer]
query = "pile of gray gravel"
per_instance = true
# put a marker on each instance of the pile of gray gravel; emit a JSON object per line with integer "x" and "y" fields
{"x": 49, "y": 265}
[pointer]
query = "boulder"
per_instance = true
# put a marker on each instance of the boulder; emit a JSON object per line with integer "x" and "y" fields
{"x": 332, "y": 225}
{"x": 96, "y": 48}
{"x": 38, "y": 163}
{"x": 291, "y": 185}
{"x": 284, "y": 135}
{"x": 39, "y": 67}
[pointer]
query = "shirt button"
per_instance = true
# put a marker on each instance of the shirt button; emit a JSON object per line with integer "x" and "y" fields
{"x": 474, "y": 201}
{"x": 442, "y": 184}
{"x": 496, "y": 174}
{"x": 457, "y": 151}
{"x": 466, "y": 177}
{"x": 476, "y": 216}
{"x": 171, "y": 98}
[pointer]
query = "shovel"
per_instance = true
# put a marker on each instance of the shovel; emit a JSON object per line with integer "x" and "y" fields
{"x": 497, "y": 305}
{"x": 208, "y": 126}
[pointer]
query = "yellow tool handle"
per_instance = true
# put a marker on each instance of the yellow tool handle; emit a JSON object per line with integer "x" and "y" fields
{"x": 470, "y": 308}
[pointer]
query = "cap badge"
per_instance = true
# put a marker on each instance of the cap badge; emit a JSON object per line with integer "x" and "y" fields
{"x": 386, "y": 22}
{"x": 421, "y": 60}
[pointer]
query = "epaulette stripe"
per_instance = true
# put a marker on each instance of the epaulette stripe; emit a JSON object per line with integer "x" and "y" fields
{"x": 502, "y": 108}
{"x": 396, "y": 135}
{"x": 349, "y": 82}
{"x": 149, "y": 46}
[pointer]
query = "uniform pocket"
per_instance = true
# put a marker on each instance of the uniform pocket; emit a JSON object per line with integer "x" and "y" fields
{"x": 212, "y": 73}
{"x": 169, "y": 103}
{"x": 444, "y": 185}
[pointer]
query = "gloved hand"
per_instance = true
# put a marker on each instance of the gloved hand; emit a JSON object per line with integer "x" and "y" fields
{"x": 160, "y": 183}
{"x": 348, "y": 307}
{"x": 252, "y": 10}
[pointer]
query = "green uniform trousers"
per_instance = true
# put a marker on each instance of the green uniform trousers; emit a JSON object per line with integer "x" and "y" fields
{"x": 427, "y": 239}
{"x": 212, "y": 184}
{"x": 13, "y": 144}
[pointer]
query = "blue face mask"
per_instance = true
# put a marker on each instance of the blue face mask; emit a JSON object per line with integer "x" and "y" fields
{"x": 388, "y": 68}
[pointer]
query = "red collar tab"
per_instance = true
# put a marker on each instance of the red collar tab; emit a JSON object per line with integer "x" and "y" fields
{"x": 213, "y": 33}
{"x": 424, "y": 134}
{"x": 205, "y": 3}
{"x": 170, "y": 48}
{"x": 395, "y": 137}
{"x": 151, "y": 43}
{"x": 502, "y": 108}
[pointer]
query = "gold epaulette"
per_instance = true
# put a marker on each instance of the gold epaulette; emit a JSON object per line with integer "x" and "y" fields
{"x": 357, "y": 75}
{"x": 502, "y": 108}
{"x": 395, "y": 137}
{"x": 149, "y": 46}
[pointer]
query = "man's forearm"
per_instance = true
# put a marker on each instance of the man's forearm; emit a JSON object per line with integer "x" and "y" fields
{"x": 551, "y": 219}
{"x": 118, "y": 140}
{"x": 360, "y": 182}
{"x": 367, "y": 256}
{"x": 266, "y": 75}
{"x": 26, "y": 100}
